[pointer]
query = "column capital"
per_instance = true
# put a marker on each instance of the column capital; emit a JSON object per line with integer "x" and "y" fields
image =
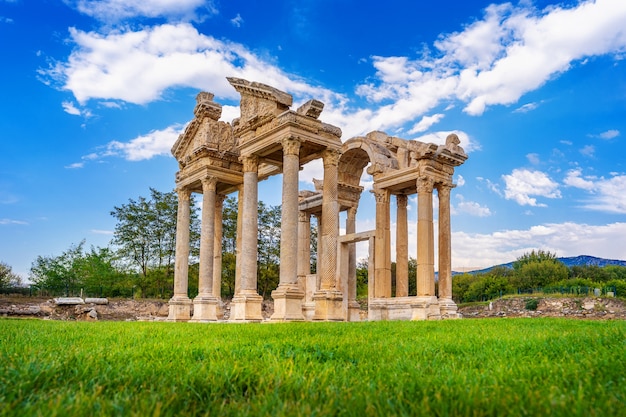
{"x": 184, "y": 194}
{"x": 209, "y": 183}
{"x": 331, "y": 157}
{"x": 444, "y": 188}
{"x": 425, "y": 185}
{"x": 291, "y": 145}
{"x": 219, "y": 200}
{"x": 381, "y": 195}
{"x": 352, "y": 212}
{"x": 303, "y": 216}
{"x": 250, "y": 163}
{"x": 402, "y": 200}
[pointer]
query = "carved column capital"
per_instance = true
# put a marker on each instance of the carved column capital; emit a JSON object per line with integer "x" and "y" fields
{"x": 303, "y": 216}
{"x": 184, "y": 194}
{"x": 250, "y": 163}
{"x": 402, "y": 200}
{"x": 352, "y": 212}
{"x": 209, "y": 183}
{"x": 219, "y": 200}
{"x": 331, "y": 157}
{"x": 381, "y": 195}
{"x": 425, "y": 185}
{"x": 291, "y": 145}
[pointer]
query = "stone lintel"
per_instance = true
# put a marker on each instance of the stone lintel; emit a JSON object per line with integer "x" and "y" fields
{"x": 228, "y": 180}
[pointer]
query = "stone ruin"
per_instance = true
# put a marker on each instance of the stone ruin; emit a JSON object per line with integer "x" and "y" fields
{"x": 218, "y": 158}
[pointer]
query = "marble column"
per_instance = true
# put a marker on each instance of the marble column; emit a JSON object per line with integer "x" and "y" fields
{"x": 238, "y": 253}
{"x": 350, "y": 292}
{"x": 425, "y": 238}
{"x": 304, "y": 244}
{"x": 180, "y": 304}
{"x": 447, "y": 305}
{"x": 328, "y": 300}
{"x": 205, "y": 304}
{"x": 402, "y": 247}
{"x": 382, "y": 264}
{"x": 288, "y": 296}
{"x": 426, "y": 306}
{"x": 246, "y": 304}
{"x": 217, "y": 246}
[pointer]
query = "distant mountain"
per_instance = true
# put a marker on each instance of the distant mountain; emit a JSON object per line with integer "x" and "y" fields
{"x": 580, "y": 260}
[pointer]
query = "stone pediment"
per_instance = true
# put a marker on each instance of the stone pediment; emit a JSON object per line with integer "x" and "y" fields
{"x": 205, "y": 135}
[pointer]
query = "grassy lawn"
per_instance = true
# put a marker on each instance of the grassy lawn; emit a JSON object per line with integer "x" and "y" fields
{"x": 490, "y": 367}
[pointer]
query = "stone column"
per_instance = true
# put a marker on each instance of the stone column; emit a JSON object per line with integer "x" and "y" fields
{"x": 382, "y": 264}
{"x": 425, "y": 238}
{"x": 426, "y": 306}
{"x": 246, "y": 304}
{"x": 328, "y": 300}
{"x": 402, "y": 248}
{"x": 304, "y": 244}
{"x": 238, "y": 254}
{"x": 180, "y": 304}
{"x": 350, "y": 292}
{"x": 288, "y": 296}
{"x": 447, "y": 305}
{"x": 217, "y": 254}
{"x": 205, "y": 304}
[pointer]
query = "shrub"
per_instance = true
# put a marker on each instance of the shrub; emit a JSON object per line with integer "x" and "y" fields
{"x": 532, "y": 304}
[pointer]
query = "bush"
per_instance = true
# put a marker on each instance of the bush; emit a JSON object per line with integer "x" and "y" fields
{"x": 532, "y": 304}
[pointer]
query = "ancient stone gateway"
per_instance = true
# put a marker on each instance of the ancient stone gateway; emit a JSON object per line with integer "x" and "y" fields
{"x": 218, "y": 158}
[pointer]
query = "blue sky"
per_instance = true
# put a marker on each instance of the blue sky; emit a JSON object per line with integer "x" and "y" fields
{"x": 94, "y": 94}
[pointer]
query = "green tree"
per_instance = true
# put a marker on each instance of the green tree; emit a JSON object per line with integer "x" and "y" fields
{"x": 538, "y": 269}
{"x": 268, "y": 248}
{"x": 145, "y": 237}
{"x": 8, "y": 279}
{"x": 59, "y": 273}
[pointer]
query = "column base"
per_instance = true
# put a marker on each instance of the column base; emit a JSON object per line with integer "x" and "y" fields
{"x": 287, "y": 304}
{"x": 449, "y": 309}
{"x": 328, "y": 305}
{"x": 354, "y": 311}
{"x": 205, "y": 309}
{"x": 179, "y": 309}
{"x": 246, "y": 308}
{"x": 426, "y": 308}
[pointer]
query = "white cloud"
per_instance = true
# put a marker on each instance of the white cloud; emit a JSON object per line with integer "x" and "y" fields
{"x": 533, "y": 158}
{"x": 69, "y": 108}
{"x": 439, "y": 138}
{"x": 495, "y": 60}
{"x": 470, "y": 207}
{"x": 12, "y": 221}
{"x": 587, "y": 150}
{"x": 564, "y": 239}
{"x": 237, "y": 21}
{"x": 112, "y": 11}
{"x": 426, "y": 122}
{"x": 155, "y": 143}
{"x": 102, "y": 232}
{"x": 75, "y": 165}
{"x": 609, "y": 134}
{"x": 521, "y": 184}
{"x": 606, "y": 194}
{"x": 526, "y": 108}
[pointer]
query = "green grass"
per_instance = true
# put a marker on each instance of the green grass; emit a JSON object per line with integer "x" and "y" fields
{"x": 489, "y": 367}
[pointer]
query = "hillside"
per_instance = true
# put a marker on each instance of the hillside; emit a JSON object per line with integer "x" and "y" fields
{"x": 579, "y": 260}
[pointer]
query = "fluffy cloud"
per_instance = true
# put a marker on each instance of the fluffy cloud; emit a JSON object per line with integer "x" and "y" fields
{"x": 112, "y": 11}
{"x": 511, "y": 51}
{"x": 521, "y": 184}
{"x": 157, "y": 142}
{"x": 565, "y": 239}
{"x": 605, "y": 194}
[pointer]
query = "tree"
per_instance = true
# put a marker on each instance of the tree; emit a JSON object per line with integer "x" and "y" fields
{"x": 145, "y": 236}
{"x": 59, "y": 273}
{"x": 538, "y": 269}
{"x": 8, "y": 279}
{"x": 268, "y": 248}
